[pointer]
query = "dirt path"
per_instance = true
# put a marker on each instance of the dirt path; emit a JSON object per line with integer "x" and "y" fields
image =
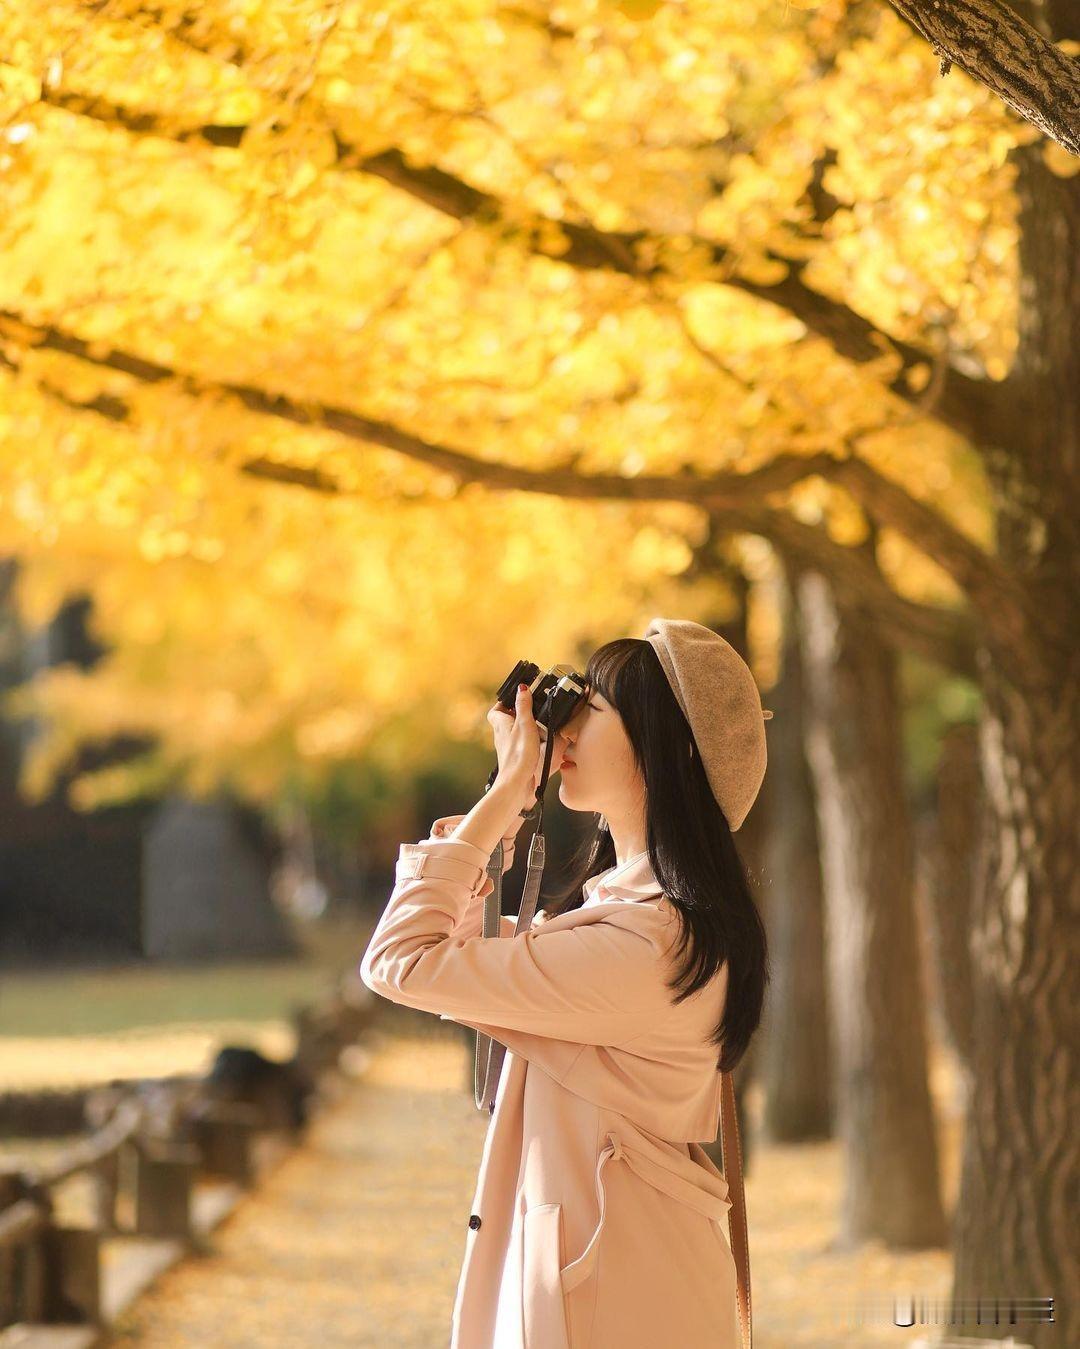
{"x": 356, "y": 1239}
{"x": 355, "y": 1242}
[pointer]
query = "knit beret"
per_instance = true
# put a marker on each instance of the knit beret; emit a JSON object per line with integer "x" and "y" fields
{"x": 720, "y": 700}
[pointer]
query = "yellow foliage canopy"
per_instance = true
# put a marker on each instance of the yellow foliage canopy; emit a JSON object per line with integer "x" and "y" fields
{"x": 246, "y": 203}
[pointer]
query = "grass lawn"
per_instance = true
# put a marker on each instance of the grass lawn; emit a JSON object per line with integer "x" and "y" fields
{"x": 66, "y": 1026}
{"x": 82, "y": 1001}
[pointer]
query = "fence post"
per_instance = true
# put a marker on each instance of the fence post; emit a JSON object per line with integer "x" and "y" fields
{"x": 33, "y": 1281}
{"x": 223, "y": 1133}
{"x": 72, "y": 1274}
{"x": 24, "y": 1214}
{"x": 105, "y": 1176}
{"x": 9, "y": 1253}
{"x": 164, "y": 1179}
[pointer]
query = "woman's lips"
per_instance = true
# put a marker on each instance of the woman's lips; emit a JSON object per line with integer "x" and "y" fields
{"x": 566, "y": 763}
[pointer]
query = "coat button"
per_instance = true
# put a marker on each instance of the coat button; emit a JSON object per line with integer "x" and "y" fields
{"x": 474, "y": 1221}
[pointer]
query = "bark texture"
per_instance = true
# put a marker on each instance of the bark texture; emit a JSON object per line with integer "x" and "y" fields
{"x": 884, "y": 1118}
{"x": 1016, "y": 1217}
{"x": 993, "y": 44}
{"x": 794, "y": 1058}
{"x": 957, "y": 852}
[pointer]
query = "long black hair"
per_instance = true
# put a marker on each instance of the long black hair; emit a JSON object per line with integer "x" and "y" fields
{"x": 690, "y": 845}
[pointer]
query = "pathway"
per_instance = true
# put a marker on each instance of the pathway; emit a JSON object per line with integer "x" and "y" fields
{"x": 355, "y": 1241}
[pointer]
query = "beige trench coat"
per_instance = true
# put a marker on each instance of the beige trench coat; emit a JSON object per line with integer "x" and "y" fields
{"x": 598, "y": 1221}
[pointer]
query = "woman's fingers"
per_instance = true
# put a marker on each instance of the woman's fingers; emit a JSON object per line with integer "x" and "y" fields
{"x": 445, "y": 824}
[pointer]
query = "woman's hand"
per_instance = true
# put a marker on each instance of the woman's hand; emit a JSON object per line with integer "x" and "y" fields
{"x": 445, "y": 825}
{"x": 519, "y": 744}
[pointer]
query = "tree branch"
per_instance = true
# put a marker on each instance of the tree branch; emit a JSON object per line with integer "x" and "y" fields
{"x": 741, "y": 496}
{"x": 947, "y": 637}
{"x": 978, "y": 574}
{"x": 994, "y": 45}
{"x": 961, "y": 401}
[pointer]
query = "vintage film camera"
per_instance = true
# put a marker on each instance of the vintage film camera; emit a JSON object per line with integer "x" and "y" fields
{"x": 556, "y": 696}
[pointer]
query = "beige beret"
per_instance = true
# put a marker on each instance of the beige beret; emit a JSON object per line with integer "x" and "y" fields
{"x": 720, "y": 700}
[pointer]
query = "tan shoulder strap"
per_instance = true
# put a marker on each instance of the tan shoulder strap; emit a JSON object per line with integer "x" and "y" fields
{"x": 732, "y": 1158}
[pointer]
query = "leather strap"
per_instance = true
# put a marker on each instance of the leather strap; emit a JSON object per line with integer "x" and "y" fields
{"x": 487, "y": 1069}
{"x": 740, "y": 1246}
{"x": 488, "y": 1058}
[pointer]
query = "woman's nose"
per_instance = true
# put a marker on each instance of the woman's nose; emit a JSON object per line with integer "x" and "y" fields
{"x": 568, "y": 732}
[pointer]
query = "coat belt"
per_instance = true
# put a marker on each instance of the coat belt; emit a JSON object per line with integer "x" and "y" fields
{"x": 661, "y": 1178}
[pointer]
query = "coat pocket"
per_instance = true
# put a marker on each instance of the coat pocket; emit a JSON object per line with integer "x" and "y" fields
{"x": 543, "y": 1304}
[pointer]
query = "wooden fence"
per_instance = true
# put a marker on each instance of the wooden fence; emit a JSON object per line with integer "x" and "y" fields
{"x": 150, "y": 1144}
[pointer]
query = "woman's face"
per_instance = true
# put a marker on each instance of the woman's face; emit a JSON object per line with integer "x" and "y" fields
{"x": 601, "y": 774}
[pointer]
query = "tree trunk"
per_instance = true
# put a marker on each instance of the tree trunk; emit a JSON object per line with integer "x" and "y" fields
{"x": 884, "y": 1117}
{"x": 1016, "y": 1217}
{"x": 794, "y": 1061}
{"x": 958, "y": 845}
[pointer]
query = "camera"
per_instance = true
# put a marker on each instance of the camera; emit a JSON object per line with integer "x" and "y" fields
{"x": 556, "y": 695}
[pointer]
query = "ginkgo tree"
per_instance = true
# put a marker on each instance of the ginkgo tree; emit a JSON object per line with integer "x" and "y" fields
{"x": 611, "y": 363}
{"x": 351, "y": 351}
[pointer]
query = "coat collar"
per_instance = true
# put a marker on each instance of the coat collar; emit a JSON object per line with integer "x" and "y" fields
{"x": 633, "y": 879}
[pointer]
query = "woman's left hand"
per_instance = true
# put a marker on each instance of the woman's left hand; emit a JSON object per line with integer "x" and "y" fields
{"x": 445, "y": 825}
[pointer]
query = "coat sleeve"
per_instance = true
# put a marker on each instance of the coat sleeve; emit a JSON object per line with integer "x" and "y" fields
{"x": 595, "y": 984}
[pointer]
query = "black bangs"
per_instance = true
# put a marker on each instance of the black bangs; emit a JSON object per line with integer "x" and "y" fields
{"x": 606, "y": 665}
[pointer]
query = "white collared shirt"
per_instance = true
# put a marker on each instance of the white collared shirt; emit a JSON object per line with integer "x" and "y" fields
{"x": 631, "y": 880}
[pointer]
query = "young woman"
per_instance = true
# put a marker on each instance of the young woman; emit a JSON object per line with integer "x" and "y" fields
{"x": 598, "y": 1220}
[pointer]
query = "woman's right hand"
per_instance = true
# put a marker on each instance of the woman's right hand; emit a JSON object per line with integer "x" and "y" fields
{"x": 519, "y": 744}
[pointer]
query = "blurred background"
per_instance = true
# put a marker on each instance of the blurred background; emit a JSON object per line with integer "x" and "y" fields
{"x": 351, "y": 352}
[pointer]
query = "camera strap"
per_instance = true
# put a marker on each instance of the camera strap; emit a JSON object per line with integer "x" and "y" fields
{"x": 487, "y": 1065}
